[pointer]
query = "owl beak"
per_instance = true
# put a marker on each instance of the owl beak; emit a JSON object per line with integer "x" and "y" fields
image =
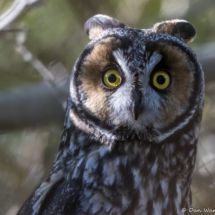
{"x": 136, "y": 107}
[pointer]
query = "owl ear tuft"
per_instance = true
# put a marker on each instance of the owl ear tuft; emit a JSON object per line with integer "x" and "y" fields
{"x": 177, "y": 27}
{"x": 98, "y": 23}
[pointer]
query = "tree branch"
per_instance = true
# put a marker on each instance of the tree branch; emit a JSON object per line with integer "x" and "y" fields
{"x": 32, "y": 105}
{"x": 206, "y": 56}
{"x": 197, "y": 8}
{"x": 14, "y": 11}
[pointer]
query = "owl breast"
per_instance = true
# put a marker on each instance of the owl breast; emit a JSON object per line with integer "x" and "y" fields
{"x": 137, "y": 177}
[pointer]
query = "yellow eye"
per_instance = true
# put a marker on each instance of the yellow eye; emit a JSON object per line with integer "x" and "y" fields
{"x": 161, "y": 80}
{"x": 112, "y": 78}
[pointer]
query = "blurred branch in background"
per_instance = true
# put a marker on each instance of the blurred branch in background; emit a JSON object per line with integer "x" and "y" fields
{"x": 28, "y": 56}
{"x": 33, "y": 105}
{"x": 206, "y": 56}
{"x": 196, "y": 8}
{"x": 14, "y": 11}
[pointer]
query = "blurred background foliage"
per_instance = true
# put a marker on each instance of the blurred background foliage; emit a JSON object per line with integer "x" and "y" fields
{"x": 45, "y": 40}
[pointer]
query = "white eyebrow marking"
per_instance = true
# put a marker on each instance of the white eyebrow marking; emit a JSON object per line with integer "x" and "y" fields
{"x": 118, "y": 54}
{"x": 153, "y": 61}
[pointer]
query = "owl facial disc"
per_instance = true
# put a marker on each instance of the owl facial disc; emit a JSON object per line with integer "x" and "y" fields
{"x": 128, "y": 81}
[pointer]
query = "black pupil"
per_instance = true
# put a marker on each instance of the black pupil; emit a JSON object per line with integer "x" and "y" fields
{"x": 161, "y": 79}
{"x": 112, "y": 78}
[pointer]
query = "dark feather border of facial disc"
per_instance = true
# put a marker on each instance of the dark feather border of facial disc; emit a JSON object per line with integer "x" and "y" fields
{"x": 140, "y": 36}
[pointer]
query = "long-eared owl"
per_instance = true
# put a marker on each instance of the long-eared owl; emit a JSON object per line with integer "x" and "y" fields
{"x": 132, "y": 124}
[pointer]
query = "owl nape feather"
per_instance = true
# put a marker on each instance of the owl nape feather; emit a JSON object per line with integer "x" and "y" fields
{"x": 132, "y": 124}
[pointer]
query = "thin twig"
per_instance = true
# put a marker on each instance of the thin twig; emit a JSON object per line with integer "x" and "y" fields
{"x": 38, "y": 65}
{"x": 29, "y": 57}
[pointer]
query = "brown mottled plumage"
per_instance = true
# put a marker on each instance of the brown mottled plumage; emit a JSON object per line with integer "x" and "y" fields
{"x": 132, "y": 123}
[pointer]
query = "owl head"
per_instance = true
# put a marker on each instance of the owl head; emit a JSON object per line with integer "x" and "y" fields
{"x": 136, "y": 83}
